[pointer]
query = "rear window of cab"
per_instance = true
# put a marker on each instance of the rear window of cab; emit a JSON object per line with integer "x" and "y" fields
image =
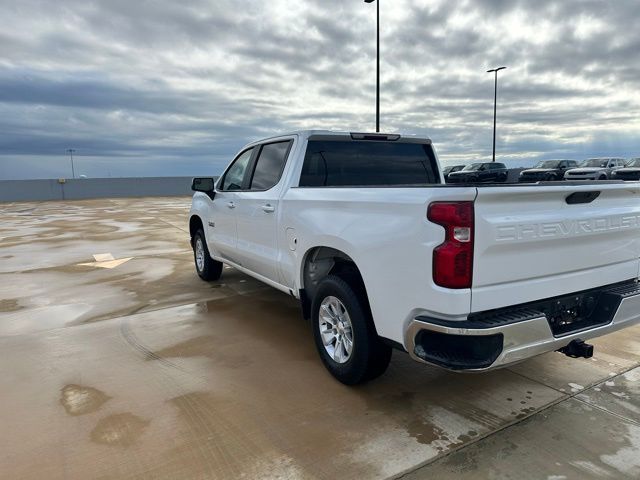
{"x": 349, "y": 163}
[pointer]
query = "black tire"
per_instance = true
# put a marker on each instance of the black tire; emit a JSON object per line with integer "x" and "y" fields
{"x": 602, "y": 177}
{"x": 209, "y": 269}
{"x": 551, "y": 177}
{"x": 369, "y": 355}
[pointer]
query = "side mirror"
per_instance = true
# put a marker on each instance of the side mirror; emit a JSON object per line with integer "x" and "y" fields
{"x": 204, "y": 185}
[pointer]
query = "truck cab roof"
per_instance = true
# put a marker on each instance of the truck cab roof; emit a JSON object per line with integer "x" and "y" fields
{"x": 306, "y": 134}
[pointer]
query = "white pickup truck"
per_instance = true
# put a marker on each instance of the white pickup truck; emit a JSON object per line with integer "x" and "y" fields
{"x": 381, "y": 253}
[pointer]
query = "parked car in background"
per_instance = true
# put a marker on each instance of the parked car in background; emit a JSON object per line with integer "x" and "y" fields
{"x": 450, "y": 169}
{"x": 480, "y": 172}
{"x": 595, "y": 169}
{"x": 547, "y": 170}
{"x": 631, "y": 171}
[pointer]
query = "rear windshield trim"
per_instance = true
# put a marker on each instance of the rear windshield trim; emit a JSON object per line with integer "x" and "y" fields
{"x": 348, "y": 138}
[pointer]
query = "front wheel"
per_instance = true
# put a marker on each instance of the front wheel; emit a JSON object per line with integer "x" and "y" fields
{"x": 207, "y": 268}
{"x": 344, "y": 333}
{"x": 602, "y": 177}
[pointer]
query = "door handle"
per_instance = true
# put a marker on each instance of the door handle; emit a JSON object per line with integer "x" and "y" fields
{"x": 231, "y": 205}
{"x": 268, "y": 208}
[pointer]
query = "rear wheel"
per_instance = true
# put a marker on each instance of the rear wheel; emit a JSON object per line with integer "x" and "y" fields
{"x": 344, "y": 334}
{"x": 207, "y": 268}
{"x": 602, "y": 177}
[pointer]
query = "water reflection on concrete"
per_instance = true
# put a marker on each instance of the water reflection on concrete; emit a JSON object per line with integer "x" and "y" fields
{"x": 79, "y": 400}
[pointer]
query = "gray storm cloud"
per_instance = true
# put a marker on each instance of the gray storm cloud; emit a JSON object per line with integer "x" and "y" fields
{"x": 160, "y": 88}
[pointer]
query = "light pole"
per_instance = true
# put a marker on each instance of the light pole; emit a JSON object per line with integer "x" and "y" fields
{"x": 495, "y": 103}
{"x": 71, "y": 151}
{"x": 377, "y": 62}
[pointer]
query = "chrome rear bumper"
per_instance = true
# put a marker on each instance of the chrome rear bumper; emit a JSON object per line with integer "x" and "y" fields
{"x": 522, "y": 339}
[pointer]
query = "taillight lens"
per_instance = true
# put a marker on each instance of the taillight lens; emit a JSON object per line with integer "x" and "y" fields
{"x": 453, "y": 259}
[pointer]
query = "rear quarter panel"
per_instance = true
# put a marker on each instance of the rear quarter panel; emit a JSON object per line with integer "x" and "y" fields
{"x": 386, "y": 233}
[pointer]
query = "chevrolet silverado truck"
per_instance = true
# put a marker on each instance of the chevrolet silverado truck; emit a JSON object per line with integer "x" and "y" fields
{"x": 382, "y": 254}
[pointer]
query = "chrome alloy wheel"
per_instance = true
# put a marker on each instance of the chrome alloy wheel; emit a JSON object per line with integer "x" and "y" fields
{"x": 199, "y": 254}
{"x": 335, "y": 329}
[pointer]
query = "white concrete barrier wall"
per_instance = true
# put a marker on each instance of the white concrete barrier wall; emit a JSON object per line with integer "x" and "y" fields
{"x": 84, "y": 188}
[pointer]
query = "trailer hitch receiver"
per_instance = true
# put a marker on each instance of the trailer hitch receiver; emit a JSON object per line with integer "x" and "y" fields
{"x": 577, "y": 349}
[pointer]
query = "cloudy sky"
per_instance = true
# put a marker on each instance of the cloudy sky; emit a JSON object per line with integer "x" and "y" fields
{"x": 142, "y": 87}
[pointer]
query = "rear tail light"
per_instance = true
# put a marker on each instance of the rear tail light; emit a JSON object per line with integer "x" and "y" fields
{"x": 453, "y": 259}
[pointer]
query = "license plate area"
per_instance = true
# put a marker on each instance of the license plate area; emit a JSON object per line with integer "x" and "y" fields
{"x": 567, "y": 315}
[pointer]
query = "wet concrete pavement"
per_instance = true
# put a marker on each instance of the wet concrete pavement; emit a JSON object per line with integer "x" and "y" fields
{"x": 137, "y": 369}
{"x": 593, "y": 435}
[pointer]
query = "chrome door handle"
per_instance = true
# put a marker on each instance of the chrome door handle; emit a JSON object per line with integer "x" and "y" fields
{"x": 268, "y": 208}
{"x": 231, "y": 205}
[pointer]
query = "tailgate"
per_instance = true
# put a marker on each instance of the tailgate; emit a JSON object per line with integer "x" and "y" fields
{"x": 532, "y": 243}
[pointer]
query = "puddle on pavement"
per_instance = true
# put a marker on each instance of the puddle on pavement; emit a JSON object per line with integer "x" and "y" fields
{"x": 122, "y": 429}
{"x": 28, "y": 320}
{"x": 10, "y": 305}
{"x": 429, "y": 419}
{"x": 204, "y": 346}
{"x": 79, "y": 400}
{"x": 271, "y": 317}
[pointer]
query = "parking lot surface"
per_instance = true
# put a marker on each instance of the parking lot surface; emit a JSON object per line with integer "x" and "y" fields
{"x": 119, "y": 362}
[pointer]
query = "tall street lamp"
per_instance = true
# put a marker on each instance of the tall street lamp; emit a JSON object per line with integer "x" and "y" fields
{"x": 377, "y": 62}
{"x": 71, "y": 151}
{"x": 495, "y": 103}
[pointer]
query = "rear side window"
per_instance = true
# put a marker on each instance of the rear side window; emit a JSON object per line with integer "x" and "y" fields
{"x": 365, "y": 163}
{"x": 269, "y": 165}
{"x": 497, "y": 166}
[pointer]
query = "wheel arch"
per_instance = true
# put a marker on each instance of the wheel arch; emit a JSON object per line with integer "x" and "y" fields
{"x": 195, "y": 224}
{"x": 320, "y": 261}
